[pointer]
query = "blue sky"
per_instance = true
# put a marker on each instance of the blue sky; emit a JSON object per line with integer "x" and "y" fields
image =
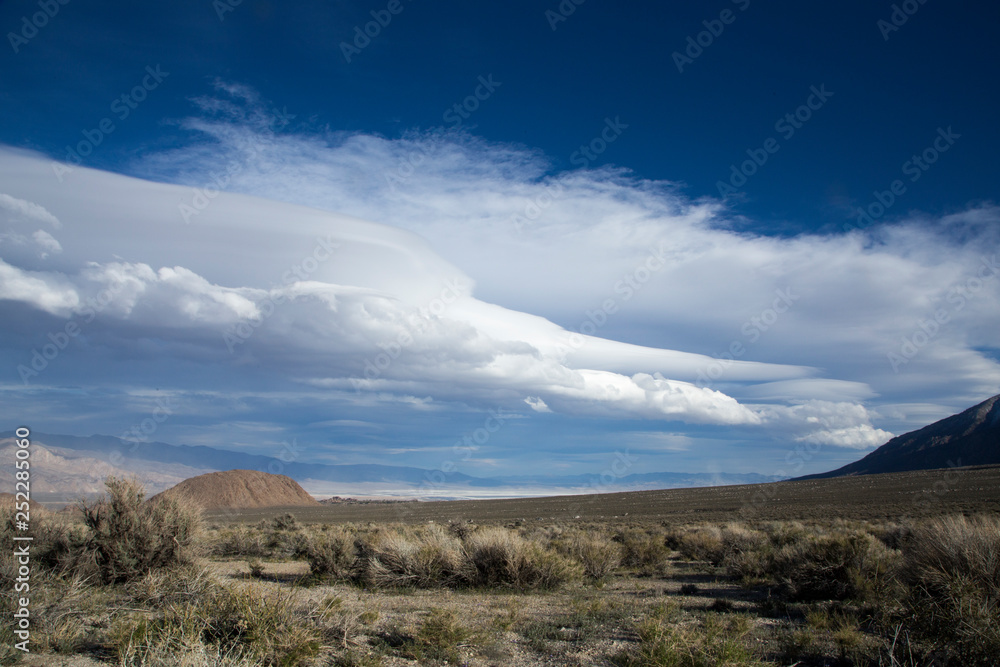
{"x": 562, "y": 163}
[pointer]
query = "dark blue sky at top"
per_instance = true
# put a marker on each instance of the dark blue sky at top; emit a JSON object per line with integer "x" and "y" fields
{"x": 607, "y": 60}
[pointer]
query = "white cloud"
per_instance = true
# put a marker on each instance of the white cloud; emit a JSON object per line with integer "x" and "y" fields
{"x": 47, "y": 292}
{"x": 364, "y": 302}
{"x": 46, "y": 242}
{"x": 853, "y": 437}
{"x": 820, "y": 422}
{"x": 20, "y": 210}
{"x": 454, "y": 292}
{"x": 20, "y": 240}
{"x": 537, "y": 404}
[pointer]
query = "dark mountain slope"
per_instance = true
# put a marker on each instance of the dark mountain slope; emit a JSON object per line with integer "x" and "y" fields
{"x": 970, "y": 438}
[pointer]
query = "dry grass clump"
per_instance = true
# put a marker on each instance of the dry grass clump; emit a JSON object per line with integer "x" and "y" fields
{"x": 242, "y": 625}
{"x": 952, "y": 568}
{"x": 666, "y": 641}
{"x": 437, "y": 638}
{"x": 430, "y": 558}
{"x": 598, "y": 555}
{"x": 498, "y": 557}
{"x": 170, "y": 586}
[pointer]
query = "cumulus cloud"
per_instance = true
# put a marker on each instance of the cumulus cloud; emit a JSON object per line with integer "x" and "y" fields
{"x": 819, "y": 422}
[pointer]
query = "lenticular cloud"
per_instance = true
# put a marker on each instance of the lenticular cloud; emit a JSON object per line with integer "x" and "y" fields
{"x": 317, "y": 298}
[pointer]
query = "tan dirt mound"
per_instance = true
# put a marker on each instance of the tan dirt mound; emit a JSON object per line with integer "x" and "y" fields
{"x": 240, "y": 489}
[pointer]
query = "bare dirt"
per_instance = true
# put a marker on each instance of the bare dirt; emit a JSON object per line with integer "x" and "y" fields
{"x": 242, "y": 489}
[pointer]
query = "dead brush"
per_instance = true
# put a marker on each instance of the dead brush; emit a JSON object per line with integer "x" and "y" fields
{"x": 643, "y": 549}
{"x": 241, "y": 623}
{"x": 952, "y": 568}
{"x": 599, "y": 556}
{"x": 424, "y": 559}
{"x": 130, "y": 536}
{"x": 498, "y": 557}
{"x": 331, "y": 554}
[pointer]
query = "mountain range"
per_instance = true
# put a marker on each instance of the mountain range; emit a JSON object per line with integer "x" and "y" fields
{"x": 67, "y": 466}
{"x": 970, "y": 438}
{"x": 77, "y": 465}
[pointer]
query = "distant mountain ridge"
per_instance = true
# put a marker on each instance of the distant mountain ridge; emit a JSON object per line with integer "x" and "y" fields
{"x": 970, "y": 438}
{"x": 158, "y": 465}
{"x": 208, "y": 458}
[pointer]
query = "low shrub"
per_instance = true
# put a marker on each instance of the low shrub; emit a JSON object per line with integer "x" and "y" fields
{"x": 242, "y": 541}
{"x": 644, "y": 550}
{"x": 598, "y": 556}
{"x": 428, "y": 559}
{"x": 835, "y": 567}
{"x": 952, "y": 569}
{"x": 500, "y": 557}
{"x": 703, "y": 543}
{"x": 130, "y": 536}
{"x": 331, "y": 554}
{"x": 242, "y": 625}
